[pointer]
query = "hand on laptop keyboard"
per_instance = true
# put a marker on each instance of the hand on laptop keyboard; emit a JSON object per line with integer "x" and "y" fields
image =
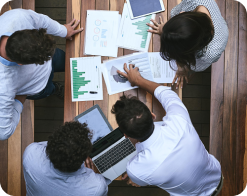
{"x": 89, "y": 163}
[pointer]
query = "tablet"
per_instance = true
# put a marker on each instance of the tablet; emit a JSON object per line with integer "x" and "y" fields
{"x": 96, "y": 121}
{"x": 138, "y": 8}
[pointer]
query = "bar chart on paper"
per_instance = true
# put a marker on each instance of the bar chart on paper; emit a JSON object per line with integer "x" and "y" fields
{"x": 133, "y": 33}
{"x": 86, "y": 79}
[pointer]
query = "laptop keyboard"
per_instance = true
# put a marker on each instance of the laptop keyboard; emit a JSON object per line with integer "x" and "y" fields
{"x": 114, "y": 155}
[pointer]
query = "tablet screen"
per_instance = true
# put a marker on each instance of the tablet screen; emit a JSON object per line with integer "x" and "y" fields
{"x": 143, "y": 7}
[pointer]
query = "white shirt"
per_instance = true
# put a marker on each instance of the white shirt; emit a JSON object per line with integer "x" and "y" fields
{"x": 42, "y": 179}
{"x": 25, "y": 79}
{"x": 173, "y": 157}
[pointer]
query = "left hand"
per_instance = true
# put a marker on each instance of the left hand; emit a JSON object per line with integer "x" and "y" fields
{"x": 71, "y": 28}
{"x": 89, "y": 163}
{"x": 181, "y": 75}
{"x": 132, "y": 74}
{"x": 129, "y": 181}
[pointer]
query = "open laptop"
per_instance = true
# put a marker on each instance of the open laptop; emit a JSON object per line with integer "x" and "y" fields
{"x": 111, "y": 150}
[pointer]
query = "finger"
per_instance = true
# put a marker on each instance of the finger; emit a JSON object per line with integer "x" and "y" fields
{"x": 182, "y": 82}
{"x": 155, "y": 23}
{"x": 72, "y": 22}
{"x": 153, "y": 26}
{"x": 122, "y": 74}
{"x": 78, "y": 31}
{"x": 186, "y": 78}
{"x": 91, "y": 162}
{"x": 178, "y": 82}
{"x": 131, "y": 66}
{"x": 125, "y": 68}
{"x": 137, "y": 68}
{"x": 76, "y": 24}
{"x": 152, "y": 31}
{"x": 161, "y": 20}
{"x": 124, "y": 176}
{"x": 174, "y": 80}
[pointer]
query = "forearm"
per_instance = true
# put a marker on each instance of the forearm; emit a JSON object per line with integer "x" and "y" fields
{"x": 147, "y": 85}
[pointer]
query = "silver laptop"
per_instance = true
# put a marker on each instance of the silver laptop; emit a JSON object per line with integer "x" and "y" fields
{"x": 111, "y": 150}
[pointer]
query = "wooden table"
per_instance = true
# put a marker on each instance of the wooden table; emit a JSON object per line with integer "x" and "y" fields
{"x": 77, "y": 9}
{"x": 11, "y": 150}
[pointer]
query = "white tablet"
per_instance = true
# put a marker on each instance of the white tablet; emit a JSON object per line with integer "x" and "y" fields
{"x": 138, "y": 8}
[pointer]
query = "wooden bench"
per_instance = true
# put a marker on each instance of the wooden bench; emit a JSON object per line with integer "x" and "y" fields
{"x": 11, "y": 150}
{"x": 77, "y": 9}
{"x": 228, "y": 101}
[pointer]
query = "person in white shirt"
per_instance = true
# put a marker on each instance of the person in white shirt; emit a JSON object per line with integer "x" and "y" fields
{"x": 170, "y": 153}
{"x": 55, "y": 167}
{"x": 27, "y": 61}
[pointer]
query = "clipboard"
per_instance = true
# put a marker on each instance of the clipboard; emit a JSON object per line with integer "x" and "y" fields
{"x": 96, "y": 121}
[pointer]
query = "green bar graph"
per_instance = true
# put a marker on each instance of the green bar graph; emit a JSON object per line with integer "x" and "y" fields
{"x": 78, "y": 81}
{"x": 141, "y": 25}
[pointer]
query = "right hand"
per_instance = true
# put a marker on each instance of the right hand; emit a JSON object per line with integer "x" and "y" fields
{"x": 156, "y": 27}
{"x": 89, "y": 163}
{"x": 181, "y": 75}
{"x": 21, "y": 98}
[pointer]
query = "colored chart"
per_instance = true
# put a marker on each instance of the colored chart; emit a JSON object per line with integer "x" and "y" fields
{"x": 78, "y": 81}
{"x": 142, "y": 27}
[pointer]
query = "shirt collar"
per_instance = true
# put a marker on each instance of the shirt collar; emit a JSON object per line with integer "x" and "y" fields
{"x": 140, "y": 146}
{"x": 69, "y": 174}
{"x": 5, "y": 61}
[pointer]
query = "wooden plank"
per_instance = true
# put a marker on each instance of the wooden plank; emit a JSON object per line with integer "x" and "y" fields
{"x": 54, "y": 13}
{"x": 69, "y": 106}
{"x": 5, "y": 8}
{"x": 217, "y": 99}
{"x": 241, "y": 100}
{"x": 85, "y": 5}
{"x": 28, "y": 4}
{"x": 27, "y": 134}
{"x": 14, "y": 162}
{"x": 49, "y": 3}
{"x": 245, "y": 152}
{"x": 4, "y": 165}
{"x": 15, "y": 4}
{"x": 47, "y": 113}
{"x": 228, "y": 159}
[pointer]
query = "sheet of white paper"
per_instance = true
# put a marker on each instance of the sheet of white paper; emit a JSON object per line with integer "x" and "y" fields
{"x": 101, "y": 33}
{"x": 116, "y": 83}
{"x": 162, "y": 72}
{"x": 99, "y": 129}
{"x": 86, "y": 78}
{"x": 133, "y": 34}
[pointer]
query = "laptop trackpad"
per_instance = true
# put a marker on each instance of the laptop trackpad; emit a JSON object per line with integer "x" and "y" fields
{"x": 120, "y": 167}
{"x": 110, "y": 174}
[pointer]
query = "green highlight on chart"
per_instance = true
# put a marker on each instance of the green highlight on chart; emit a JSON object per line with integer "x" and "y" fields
{"x": 141, "y": 25}
{"x": 78, "y": 81}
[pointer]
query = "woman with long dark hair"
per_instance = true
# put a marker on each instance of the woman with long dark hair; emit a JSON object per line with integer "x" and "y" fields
{"x": 194, "y": 37}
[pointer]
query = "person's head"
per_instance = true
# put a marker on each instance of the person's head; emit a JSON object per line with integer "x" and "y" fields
{"x": 69, "y": 146}
{"x": 185, "y": 36}
{"x": 30, "y": 47}
{"x": 133, "y": 117}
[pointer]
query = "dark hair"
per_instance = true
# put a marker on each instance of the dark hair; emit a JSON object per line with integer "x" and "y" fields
{"x": 30, "y": 46}
{"x": 69, "y": 146}
{"x": 133, "y": 118}
{"x": 184, "y": 38}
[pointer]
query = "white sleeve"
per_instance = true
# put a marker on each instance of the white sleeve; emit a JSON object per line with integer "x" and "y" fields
{"x": 171, "y": 102}
{"x": 43, "y": 21}
{"x": 135, "y": 179}
{"x": 10, "y": 112}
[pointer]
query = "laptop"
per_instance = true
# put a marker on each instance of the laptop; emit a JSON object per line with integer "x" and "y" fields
{"x": 111, "y": 150}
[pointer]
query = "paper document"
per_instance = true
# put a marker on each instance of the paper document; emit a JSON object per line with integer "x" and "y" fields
{"x": 101, "y": 33}
{"x": 86, "y": 79}
{"x": 133, "y": 33}
{"x": 162, "y": 72}
{"x": 116, "y": 83}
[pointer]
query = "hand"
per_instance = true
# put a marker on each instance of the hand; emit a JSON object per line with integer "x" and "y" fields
{"x": 71, "y": 28}
{"x": 21, "y": 98}
{"x": 89, "y": 163}
{"x": 181, "y": 75}
{"x": 156, "y": 27}
{"x": 129, "y": 182}
{"x": 132, "y": 74}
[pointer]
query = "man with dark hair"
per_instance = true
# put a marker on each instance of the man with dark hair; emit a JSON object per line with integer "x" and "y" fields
{"x": 170, "y": 153}
{"x": 28, "y": 59}
{"x": 56, "y": 168}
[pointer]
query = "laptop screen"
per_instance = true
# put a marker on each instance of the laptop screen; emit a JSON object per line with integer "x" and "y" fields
{"x": 105, "y": 142}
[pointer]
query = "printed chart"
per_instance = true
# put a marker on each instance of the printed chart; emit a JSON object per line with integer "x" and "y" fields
{"x": 133, "y": 33}
{"x": 101, "y": 33}
{"x": 86, "y": 79}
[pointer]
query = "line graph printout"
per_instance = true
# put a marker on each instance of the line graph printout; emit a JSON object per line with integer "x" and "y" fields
{"x": 161, "y": 70}
{"x": 133, "y": 33}
{"x": 101, "y": 33}
{"x": 86, "y": 79}
{"x": 116, "y": 83}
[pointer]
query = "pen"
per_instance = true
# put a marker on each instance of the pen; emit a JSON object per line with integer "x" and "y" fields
{"x": 93, "y": 92}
